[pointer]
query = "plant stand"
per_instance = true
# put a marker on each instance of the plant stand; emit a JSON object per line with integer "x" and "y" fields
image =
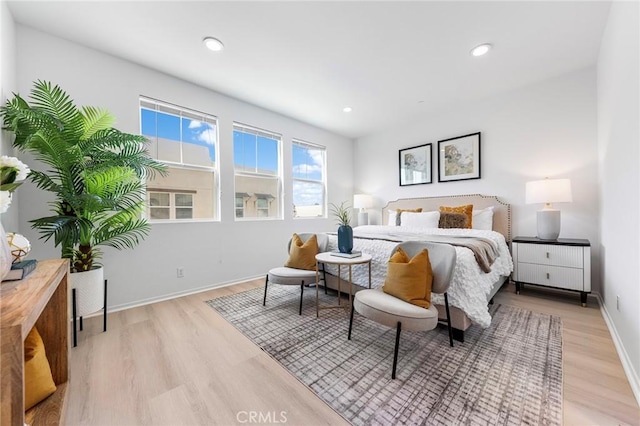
{"x": 74, "y": 308}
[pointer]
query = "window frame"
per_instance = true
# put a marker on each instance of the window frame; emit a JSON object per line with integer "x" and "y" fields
{"x": 322, "y": 182}
{"x": 277, "y": 177}
{"x": 181, "y": 112}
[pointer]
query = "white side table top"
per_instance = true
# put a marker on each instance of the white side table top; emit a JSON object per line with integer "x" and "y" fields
{"x": 327, "y": 257}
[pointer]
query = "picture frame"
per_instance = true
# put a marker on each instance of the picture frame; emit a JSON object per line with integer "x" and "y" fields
{"x": 414, "y": 165}
{"x": 459, "y": 158}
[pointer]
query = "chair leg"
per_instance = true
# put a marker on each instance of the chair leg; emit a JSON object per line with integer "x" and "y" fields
{"x": 324, "y": 279}
{"x": 301, "y": 294}
{"x": 395, "y": 351}
{"x": 446, "y": 307}
{"x": 81, "y": 327}
{"x": 264, "y": 301}
{"x": 350, "y": 322}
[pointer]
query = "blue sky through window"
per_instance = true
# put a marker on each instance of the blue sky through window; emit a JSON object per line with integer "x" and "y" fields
{"x": 186, "y": 130}
{"x": 255, "y": 153}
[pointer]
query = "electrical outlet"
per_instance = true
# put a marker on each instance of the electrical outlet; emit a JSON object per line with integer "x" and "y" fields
{"x": 180, "y": 272}
{"x": 618, "y": 302}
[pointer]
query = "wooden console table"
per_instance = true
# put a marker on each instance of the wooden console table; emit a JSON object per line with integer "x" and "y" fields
{"x": 39, "y": 299}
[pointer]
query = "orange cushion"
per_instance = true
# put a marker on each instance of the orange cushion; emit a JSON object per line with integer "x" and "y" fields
{"x": 302, "y": 255}
{"x": 38, "y": 382}
{"x": 410, "y": 279}
{"x": 467, "y": 210}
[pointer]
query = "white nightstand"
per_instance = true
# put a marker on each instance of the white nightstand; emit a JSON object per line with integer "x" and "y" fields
{"x": 564, "y": 263}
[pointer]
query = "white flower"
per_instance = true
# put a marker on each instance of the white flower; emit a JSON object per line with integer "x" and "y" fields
{"x": 23, "y": 169}
{"x": 5, "y": 201}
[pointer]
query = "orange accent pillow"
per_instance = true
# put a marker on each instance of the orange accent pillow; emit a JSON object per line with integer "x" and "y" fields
{"x": 399, "y": 213}
{"x": 302, "y": 255}
{"x": 38, "y": 381}
{"x": 410, "y": 279}
{"x": 467, "y": 210}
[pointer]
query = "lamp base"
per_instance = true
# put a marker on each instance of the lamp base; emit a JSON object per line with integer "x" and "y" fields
{"x": 363, "y": 218}
{"x": 548, "y": 224}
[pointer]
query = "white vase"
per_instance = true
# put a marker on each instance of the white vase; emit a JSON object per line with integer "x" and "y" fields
{"x": 5, "y": 254}
{"x": 89, "y": 287}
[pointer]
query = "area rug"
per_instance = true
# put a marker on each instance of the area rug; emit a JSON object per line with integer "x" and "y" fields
{"x": 507, "y": 374}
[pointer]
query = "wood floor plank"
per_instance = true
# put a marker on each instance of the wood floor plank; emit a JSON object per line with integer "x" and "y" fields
{"x": 178, "y": 362}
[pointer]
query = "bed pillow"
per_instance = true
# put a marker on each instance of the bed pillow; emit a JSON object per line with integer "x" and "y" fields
{"x": 399, "y": 214}
{"x": 38, "y": 382}
{"x": 393, "y": 217}
{"x": 453, "y": 220}
{"x": 302, "y": 255}
{"x": 468, "y": 210}
{"x": 410, "y": 279}
{"x": 423, "y": 219}
{"x": 483, "y": 219}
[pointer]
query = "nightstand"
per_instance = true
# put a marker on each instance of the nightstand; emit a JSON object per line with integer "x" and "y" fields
{"x": 564, "y": 263}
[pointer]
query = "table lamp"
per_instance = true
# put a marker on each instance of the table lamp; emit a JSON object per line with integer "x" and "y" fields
{"x": 548, "y": 191}
{"x": 362, "y": 202}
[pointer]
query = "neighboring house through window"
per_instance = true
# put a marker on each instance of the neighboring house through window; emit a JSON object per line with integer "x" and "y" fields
{"x": 256, "y": 157}
{"x": 187, "y": 141}
{"x": 309, "y": 177}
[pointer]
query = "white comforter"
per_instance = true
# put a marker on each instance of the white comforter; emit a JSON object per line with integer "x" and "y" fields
{"x": 470, "y": 286}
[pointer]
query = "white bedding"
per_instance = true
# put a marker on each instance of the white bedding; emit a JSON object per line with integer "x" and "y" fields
{"x": 470, "y": 286}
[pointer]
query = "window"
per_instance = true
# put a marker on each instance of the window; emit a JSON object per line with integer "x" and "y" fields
{"x": 187, "y": 141}
{"x": 169, "y": 205}
{"x": 256, "y": 158}
{"x": 309, "y": 165}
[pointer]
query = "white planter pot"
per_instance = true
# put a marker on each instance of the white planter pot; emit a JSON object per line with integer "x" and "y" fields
{"x": 89, "y": 287}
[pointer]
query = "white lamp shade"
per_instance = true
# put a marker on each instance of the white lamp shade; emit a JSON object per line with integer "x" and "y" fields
{"x": 548, "y": 191}
{"x": 362, "y": 201}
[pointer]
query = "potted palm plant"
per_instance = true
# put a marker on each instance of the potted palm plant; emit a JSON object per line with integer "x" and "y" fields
{"x": 345, "y": 232}
{"x": 96, "y": 174}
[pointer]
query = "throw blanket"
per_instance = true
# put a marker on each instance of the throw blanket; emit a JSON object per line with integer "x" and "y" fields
{"x": 485, "y": 251}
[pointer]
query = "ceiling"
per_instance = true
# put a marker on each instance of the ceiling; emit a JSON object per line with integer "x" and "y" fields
{"x": 392, "y": 62}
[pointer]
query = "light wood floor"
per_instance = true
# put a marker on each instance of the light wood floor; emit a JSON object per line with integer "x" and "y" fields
{"x": 179, "y": 363}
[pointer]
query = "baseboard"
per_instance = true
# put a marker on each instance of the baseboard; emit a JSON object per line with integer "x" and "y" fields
{"x": 632, "y": 374}
{"x": 170, "y": 296}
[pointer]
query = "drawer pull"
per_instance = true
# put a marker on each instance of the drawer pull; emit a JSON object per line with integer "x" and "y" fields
{"x": 547, "y": 275}
{"x": 547, "y": 255}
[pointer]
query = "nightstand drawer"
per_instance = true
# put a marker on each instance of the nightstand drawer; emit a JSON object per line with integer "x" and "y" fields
{"x": 555, "y": 255}
{"x": 552, "y": 276}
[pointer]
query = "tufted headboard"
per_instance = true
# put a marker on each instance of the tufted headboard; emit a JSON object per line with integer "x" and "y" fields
{"x": 501, "y": 210}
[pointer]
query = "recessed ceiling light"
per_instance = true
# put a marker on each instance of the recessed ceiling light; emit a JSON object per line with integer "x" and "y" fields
{"x": 213, "y": 44}
{"x": 347, "y": 109}
{"x": 481, "y": 50}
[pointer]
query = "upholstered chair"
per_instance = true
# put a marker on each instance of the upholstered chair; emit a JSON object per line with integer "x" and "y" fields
{"x": 388, "y": 310}
{"x": 301, "y": 277}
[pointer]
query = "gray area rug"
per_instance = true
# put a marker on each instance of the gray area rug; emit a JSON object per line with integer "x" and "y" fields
{"x": 507, "y": 374}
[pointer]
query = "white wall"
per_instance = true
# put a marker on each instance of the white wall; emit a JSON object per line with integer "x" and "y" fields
{"x": 210, "y": 253}
{"x": 7, "y": 87}
{"x": 547, "y": 129}
{"x": 619, "y": 184}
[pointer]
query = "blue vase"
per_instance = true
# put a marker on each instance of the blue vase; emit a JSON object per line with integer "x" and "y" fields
{"x": 345, "y": 239}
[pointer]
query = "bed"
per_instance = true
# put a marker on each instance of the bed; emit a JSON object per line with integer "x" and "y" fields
{"x": 471, "y": 288}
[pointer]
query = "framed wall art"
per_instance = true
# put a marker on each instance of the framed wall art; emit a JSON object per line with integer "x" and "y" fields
{"x": 459, "y": 158}
{"x": 415, "y": 165}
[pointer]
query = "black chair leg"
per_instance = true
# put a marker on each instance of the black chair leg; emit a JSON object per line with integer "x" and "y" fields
{"x": 81, "y": 327}
{"x": 350, "y": 322}
{"x": 266, "y": 280}
{"x": 74, "y": 310}
{"x": 104, "y": 317}
{"x": 446, "y": 307}
{"x": 395, "y": 351}
{"x": 324, "y": 279}
{"x": 301, "y": 294}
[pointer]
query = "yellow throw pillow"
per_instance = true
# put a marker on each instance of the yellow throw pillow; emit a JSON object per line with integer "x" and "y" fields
{"x": 467, "y": 210}
{"x": 303, "y": 255}
{"x": 399, "y": 213}
{"x": 38, "y": 382}
{"x": 410, "y": 279}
